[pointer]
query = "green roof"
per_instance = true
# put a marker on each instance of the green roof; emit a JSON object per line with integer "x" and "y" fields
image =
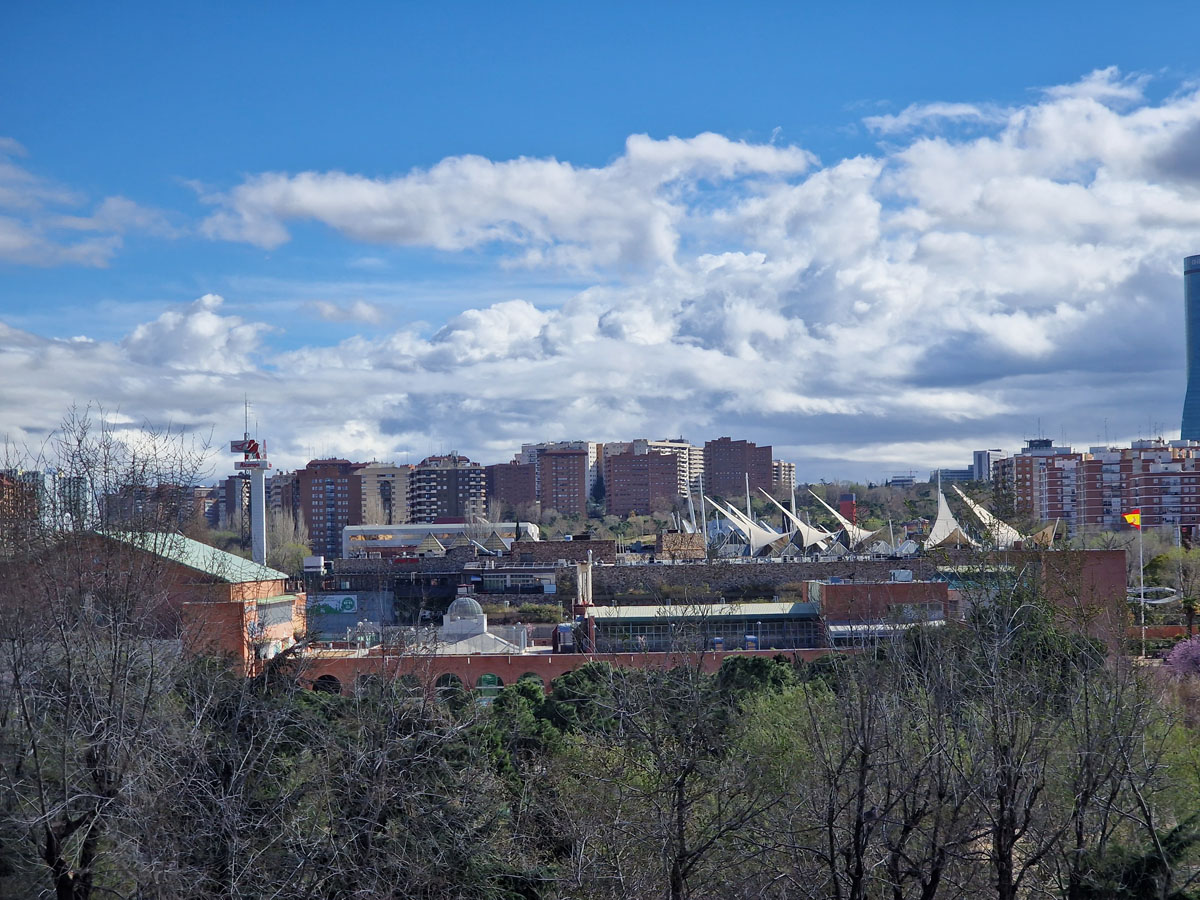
{"x": 213, "y": 562}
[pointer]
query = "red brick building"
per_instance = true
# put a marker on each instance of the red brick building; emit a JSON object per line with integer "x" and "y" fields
{"x": 330, "y": 499}
{"x": 563, "y": 481}
{"x": 511, "y": 484}
{"x": 640, "y": 482}
{"x": 1092, "y": 490}
{"x": 727, "y": 463}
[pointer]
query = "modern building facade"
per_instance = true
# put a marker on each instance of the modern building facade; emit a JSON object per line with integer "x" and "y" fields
{"x": 1190, "y": 428}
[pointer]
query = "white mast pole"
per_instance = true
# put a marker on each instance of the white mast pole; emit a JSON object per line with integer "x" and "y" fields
{"x": 1142, "y": 588}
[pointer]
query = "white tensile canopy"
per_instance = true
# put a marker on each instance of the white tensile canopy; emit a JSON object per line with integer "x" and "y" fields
{"x": 756, "y": 535}
{"x": 1002, "y": 534}
{"x": 811, "y": 535}
{"x": 857, "y": 536}
{"x": 946, "y": 531}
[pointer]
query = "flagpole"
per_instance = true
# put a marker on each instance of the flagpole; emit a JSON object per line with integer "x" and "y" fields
{"x": 1142, "y": 588}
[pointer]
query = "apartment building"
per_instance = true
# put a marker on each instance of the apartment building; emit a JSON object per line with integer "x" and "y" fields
{"x": 384, "y": 493}
{"x": 563, "y": 480}
{"x": 511, "y": 484}
{"x": 783, "y": 477}
{"x": 728, "y": 463}
{"x": 1092, "y": 490}
{"x": 283, "y": 494}
{"x": 330, "y": 499}
{"x": 447, "y": 488}
{"x": 640, "y": 482}
{"x": 530, "y": 455}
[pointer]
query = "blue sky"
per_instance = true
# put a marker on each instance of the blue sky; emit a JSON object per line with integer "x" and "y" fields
{"x": 482, "y": 213}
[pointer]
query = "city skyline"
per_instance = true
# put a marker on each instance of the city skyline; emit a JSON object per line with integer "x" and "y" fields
{"x": 430, "y": 233}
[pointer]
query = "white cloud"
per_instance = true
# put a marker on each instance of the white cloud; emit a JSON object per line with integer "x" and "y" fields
{"x": 921, "y": 114}
{"x": 884, "y": 312}
{"x": 196, "y": 338}
{"x": 1102, "y": 84}
{"x": 354, "y": 311}
{"x": 626, "y": 213}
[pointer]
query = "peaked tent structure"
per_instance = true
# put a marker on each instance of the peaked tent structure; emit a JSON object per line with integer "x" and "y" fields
{"x": 495, "y": 543}
{"x": 946, "y": 532}
{"x": 431, "y": 546}
{"x": 1045, "y": 537}
{"x": 811, "y": 536}
{"x": 855, "y": 535}
{"x": 1002, "y": 535}
{"x": 757, "y": 537}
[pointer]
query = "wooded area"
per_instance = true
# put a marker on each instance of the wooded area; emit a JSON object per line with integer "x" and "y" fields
{"x": 1007, "y": 756}
{"x": 1003, "y": 758}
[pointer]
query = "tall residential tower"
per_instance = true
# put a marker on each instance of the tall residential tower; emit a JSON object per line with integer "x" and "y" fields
{"x": 1190, "y": 430}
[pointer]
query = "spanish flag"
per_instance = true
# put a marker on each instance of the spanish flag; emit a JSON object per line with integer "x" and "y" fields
{"x": 1134, "y": 518}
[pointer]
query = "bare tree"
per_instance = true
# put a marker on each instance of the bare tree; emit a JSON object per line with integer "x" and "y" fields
{"x": 84, "y": 670}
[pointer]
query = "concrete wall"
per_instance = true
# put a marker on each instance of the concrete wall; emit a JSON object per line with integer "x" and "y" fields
{"x": 572, "y": 551}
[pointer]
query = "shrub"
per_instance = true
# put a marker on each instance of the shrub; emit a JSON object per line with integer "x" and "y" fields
{"x": 1184, "y": 658}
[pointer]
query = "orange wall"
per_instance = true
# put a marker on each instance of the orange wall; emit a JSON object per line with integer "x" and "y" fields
{"x": 510, "y": 668}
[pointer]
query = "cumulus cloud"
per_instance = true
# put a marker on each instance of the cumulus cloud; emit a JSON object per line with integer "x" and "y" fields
{"x": 550, "y": 212}
{"x": 196, "y": 338}
{"x": 38, "y": 217}
{"x": 893, "y": 310}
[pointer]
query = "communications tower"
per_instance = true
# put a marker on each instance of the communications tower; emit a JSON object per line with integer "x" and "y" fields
{"x": 254, "y": 461}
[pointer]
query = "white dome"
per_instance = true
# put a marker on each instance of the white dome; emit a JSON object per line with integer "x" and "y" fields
{"x": 464, "y": 608}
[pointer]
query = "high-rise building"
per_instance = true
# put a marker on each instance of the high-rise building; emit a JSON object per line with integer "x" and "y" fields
{"x": 640, "y": 482}
{"x": 233, "y": 500}
{"x": 727, "y": 463}
{"x": 511, "y": 484}
{"x": 331, "y": 499}
{"x": 447, "y": 488}
{"x": 783, "y": 477}
{"x": 1092, "y": 490}
{"x": 283, "y": 494}
{"x": 1190, "y": 429}
{"x": 61, "y": 500}
{"x": 384, "y": 493}
{"x": 530, "y": 455}
{"x": 981, "y": 465}
{"x": 563, "y": 481}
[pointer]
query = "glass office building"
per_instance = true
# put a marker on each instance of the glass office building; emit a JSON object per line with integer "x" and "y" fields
{"x": 1190, "y": 430}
